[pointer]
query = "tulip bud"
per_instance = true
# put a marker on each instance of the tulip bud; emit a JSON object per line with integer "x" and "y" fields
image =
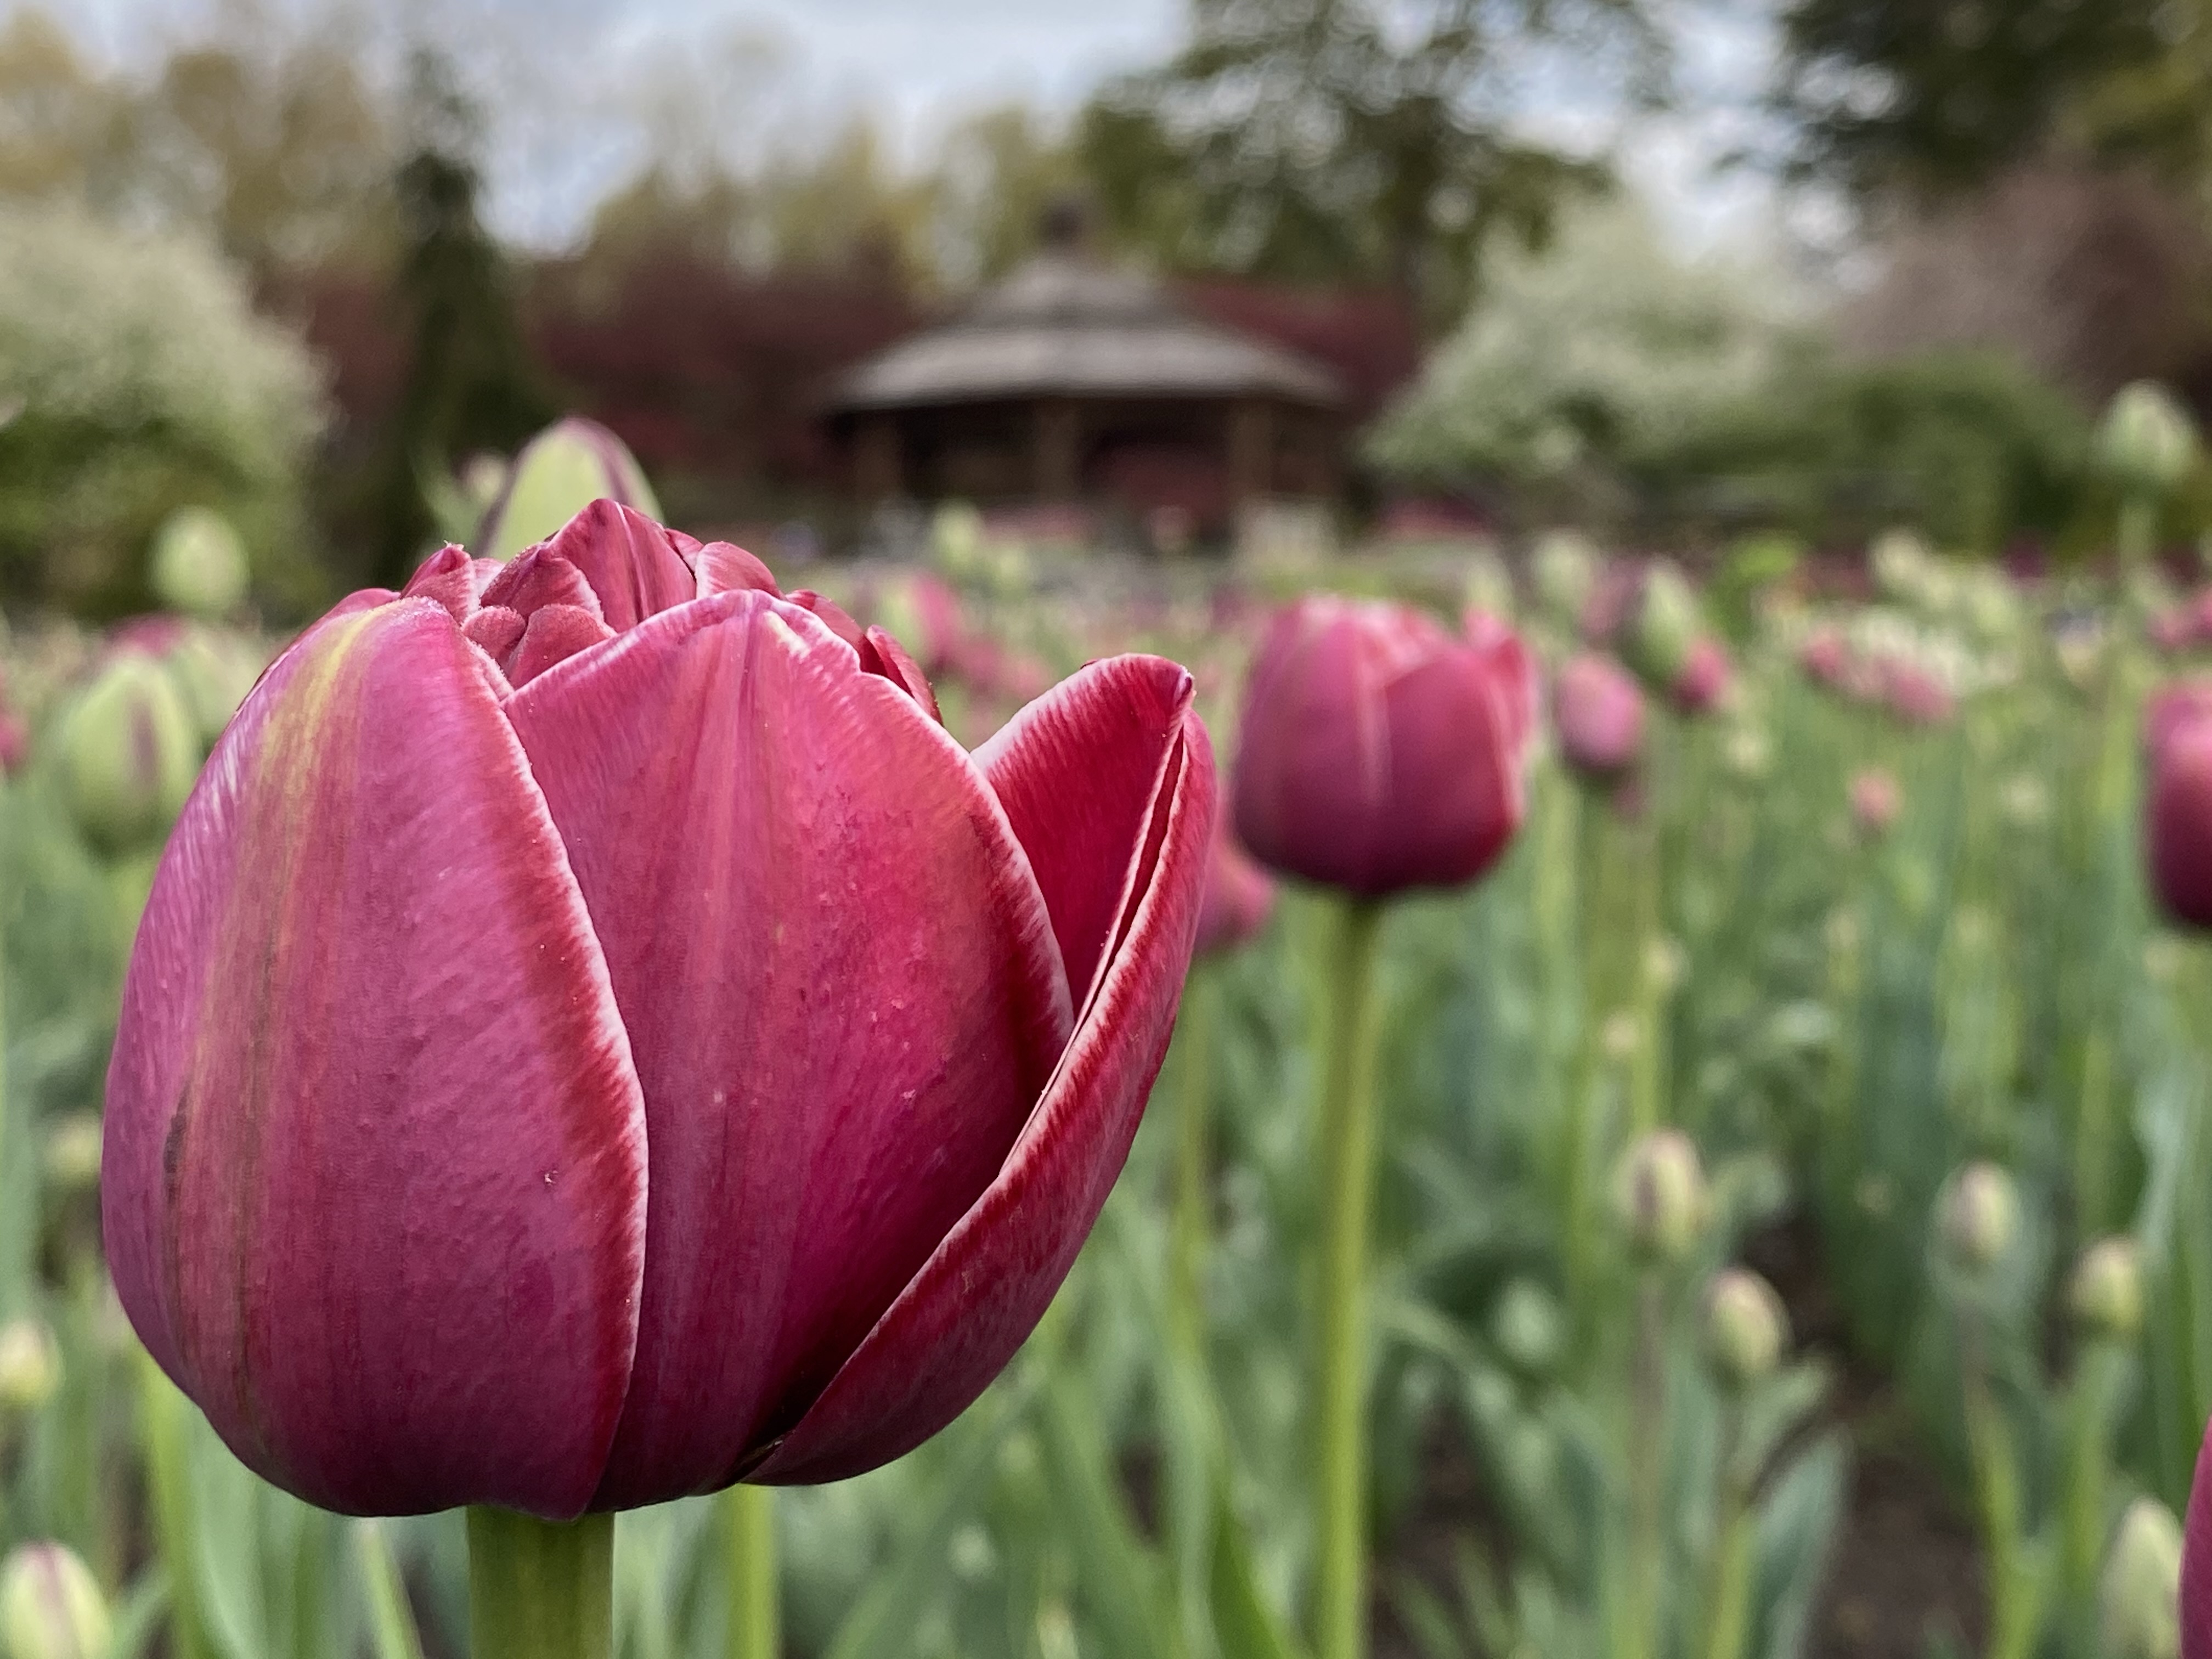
{"x": 1666, "y": 627}
{"x": 1703, "y": 683}
{"x": 30, "y": 1367}
{"x": 1746, "y": 1328}
{"x": 73, "y": 1153}
{"x": 1660, "y": 1193}
{"x": 1600, "y": 715}
{"x": 1876, "y": 801}
{"x": 2138, "y": 1611}
{"x": 1239, "y": 898}
{"x": 559, "y": 473}
{"x": 128, "y": 751}
{"x": 1529, "y": 1327}
{"x": 50, "y": 1606}
{"x": 2105, "y": 1297}
{"x": 1979, "y": 1214}
{"x": 2148, "y": 443}
{"x": 1565, "y": 567}
{"x": 2177, "y": 817}
{"x": 199, "y": 563}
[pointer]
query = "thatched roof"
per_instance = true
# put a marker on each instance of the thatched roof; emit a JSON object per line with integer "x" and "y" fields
{"x": 1064, "y": 326}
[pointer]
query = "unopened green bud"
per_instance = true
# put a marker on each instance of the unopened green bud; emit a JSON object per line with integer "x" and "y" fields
{"x": 2138, "y": 1601}
{"x": 199, "y": 563}
{"x": 956, "y": 540}
{"x": 1666, "y": 625}
{"x": 1565, "y": 565}
{"x": 50, "y": 1606}
{"x": 30, "y": 1367}
{"x": 2105, "y": 1297}
{"x": 2148, "y": 442}
{"x": 1660, "y": 1192}
{"x": 73, "y": 1153}
{"x": 1979, "y": 1215}
{"x": 213, "y": 670}
{"x": 559, "y": 473}
{"x": 127, "y": 750}
{"x": 1529, "y": 1327}
{"x": 1746, "y": 1328}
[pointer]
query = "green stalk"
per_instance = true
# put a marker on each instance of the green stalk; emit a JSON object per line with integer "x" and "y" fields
{"x": 756, "y": 1621}
{"x": 1193, "y": 1200}
{"x": 1345, "y": 1157}
{"x": 540, "y": 1590}
{"x": 165, "y": 1425}
{"x": 1647, "y": 1539}
{"x": 2014, "y": 1587}
{"x": 2097, "y": 1380}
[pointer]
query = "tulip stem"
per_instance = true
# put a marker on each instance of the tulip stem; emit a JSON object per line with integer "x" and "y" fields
{"x": 1347, "y": 1157}
{"x": 1193, "y": 1198}
{"x": 540, "y": 1590}
{"x": 749, "y": 1513}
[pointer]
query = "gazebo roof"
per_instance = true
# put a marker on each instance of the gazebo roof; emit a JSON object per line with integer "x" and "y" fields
{"x": 1065, "y": 326}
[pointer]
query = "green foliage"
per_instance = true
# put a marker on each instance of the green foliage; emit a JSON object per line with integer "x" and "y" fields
{"x": 135, "y": 380}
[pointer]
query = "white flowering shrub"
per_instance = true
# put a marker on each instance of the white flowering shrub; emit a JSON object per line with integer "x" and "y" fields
{"x": 136, "y": 377}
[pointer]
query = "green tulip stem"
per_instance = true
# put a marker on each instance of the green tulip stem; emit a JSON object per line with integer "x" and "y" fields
{"x": 2138, "y": 530}
{"x": 540, "y": 1590}
{"x": 2099, "y": 1378}
{"x": 755, "y": 1622}
{"x": 1193, "y": 1197}
{"x": 1647, "y": 1519}
{"x": 165, "y": 1425}
{"x": 1735, "y": 1533}
{"x": 1345, "y": 1158}
{"x": 2015, "y": 1587}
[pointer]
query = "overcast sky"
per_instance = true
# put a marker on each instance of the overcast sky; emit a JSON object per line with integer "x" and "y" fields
{"x": 915, "y": 64}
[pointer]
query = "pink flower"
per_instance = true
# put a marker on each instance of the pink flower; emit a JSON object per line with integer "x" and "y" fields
{"x": 1379, "y": 752}
{"x": 1914, "y": 694}
{"x": 1825, "y": 657}
{"x": 1239, "y": 898}
{"x": 1876, "y": 800}
{"x": 594, "y": 1037}
{"x": 1703, "y": 685}
{"x": 1599, "y": 711}
{"x": 2197, "y": 1559}
{"x": 2177, "y": 817}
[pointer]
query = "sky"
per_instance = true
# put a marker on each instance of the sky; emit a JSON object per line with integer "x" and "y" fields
{"x": 741, "y": 72}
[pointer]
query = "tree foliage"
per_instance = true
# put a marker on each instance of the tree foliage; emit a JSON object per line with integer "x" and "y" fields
{"x": 1344, "y": 140}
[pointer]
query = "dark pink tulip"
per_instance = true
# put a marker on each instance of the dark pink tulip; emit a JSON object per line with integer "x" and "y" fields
{"x": 2178, "y": 819}
{"x": 1239, "y": 898}
{"x": 2172, "y": 630}
{"x": 1703, "y": 685}
{"x": 594, "y": 1037}
{"x": 2197, "y": 1559}
{"x": 1876, "y": 800}
{"x": 1914, "y": 693}
{"x": 1599, "y": 711}
{"x": 1825, "y": 657}
{"x": 2173, "y": 706}
{"x": 1378, "y": 752}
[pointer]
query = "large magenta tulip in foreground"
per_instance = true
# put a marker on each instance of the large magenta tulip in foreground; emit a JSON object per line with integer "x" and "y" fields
{"x": 1377, "y": 750}
{"x": 595, "y": 1038}
{"x": 2197, "y": 1560}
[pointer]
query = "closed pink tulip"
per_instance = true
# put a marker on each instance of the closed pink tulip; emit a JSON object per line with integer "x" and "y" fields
{"x": 1599, "y": 711}
{"x": 2177, "y": 818}
{"x": 1239, "y": 898}
{"x": 1915, "y": 693}
{"x": 1378, "y": 752}
{"x": 1703, "y": 685}
{"x": 594, "y": 1037}
{"x": 2197, "y": 1559}
{"x": 1876, "y": 800}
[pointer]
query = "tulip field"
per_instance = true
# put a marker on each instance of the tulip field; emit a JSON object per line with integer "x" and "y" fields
{"x": 1694, "y": 1143}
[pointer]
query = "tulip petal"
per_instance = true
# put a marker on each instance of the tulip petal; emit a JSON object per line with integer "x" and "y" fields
{"x": 722, "y": 568}
{"x": 838, "y": 981}
{"x": 956, "y": 1326}
{"x": 539, "y": 577}
{"x": 1078, "y": 770}
{"x": 556, "y": 634}
{"x": 882, "y": 654}
{"x": 375, "y": 1171}
{"x": 449, "y": 577}
{"x": 630, "y": 561}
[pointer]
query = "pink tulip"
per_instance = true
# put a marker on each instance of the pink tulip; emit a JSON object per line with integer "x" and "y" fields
{"x": 1239, "y": 898}
{"x": 1876, "y": 800}
{"x": 1599, "y": 710}
{"x": 1379, "y": 752}
{"x": 1825, "y": 657}
{"x": 2178, "y": 818}
{"x": 595, "y": 1038}
{"x": 1914, "y": 694}
{"x": 2197, "y": 1559}
{"x": 1703, "y": 685}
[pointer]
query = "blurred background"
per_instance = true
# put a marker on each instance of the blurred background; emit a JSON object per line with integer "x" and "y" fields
{"x": 1819, "y": 342}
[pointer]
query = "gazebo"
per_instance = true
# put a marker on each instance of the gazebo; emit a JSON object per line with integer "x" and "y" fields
{"x": 1073, "y": 381}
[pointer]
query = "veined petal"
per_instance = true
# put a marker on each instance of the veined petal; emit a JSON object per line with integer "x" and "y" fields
{"x": 954, "y": 1327}
{"x": 722, "y": 568}
{"x": 838, "y": 981}
{"x": 630, "y": 561}
{"x": 1078, "y": 770}
{"x": 375, "y": 1188}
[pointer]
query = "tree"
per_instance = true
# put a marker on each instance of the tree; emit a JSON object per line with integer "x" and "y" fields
{"x": 1933, "y": 97}
{"x": 470, "y": 381}
{"x": 1347, "y": 141}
